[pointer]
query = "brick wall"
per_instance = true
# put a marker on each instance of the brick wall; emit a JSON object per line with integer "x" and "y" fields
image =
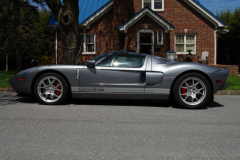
{"x": 177, "y": 12}
{"x": 132, "y": 35}
{"x": 233, "y": 69}
{"x": 182, "y": 16}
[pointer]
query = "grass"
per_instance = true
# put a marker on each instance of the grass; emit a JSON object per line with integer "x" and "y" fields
{"x": 234, "y": 81}
{"x": 4, "y": 77}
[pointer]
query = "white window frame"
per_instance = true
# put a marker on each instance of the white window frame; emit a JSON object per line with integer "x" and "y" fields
{"x": 152, "y": 5}
{"x": 158, "y": 41}
{"x": 84, "y": 43}
{"x": 185, "y": 43}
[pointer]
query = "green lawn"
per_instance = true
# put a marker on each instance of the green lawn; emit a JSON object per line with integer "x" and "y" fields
{"x": 4, "y": 77}
{"x": 234, "y": 81}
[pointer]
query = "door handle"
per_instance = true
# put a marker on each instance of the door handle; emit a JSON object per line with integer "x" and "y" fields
{"x": 77, "y": 74}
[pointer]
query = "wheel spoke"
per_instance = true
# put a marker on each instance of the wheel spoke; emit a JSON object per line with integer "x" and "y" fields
{"x": 192, "y": 91}
{"x": 50, "y": 89}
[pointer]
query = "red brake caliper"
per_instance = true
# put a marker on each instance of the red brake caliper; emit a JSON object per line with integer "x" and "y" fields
{"x": 184, "y": 90}
{"x": 59, "y": 87}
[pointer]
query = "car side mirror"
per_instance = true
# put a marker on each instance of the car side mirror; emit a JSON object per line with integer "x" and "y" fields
{"x": 91, "y": 63}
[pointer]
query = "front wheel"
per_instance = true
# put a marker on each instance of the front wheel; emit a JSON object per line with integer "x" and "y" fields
{"x": 51, "y": 88}
{"x": 192, "y": 91}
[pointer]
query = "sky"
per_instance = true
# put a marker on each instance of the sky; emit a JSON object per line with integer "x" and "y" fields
{"x": 218, "y": 5}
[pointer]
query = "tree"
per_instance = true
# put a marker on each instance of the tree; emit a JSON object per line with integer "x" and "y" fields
{"x": 7, "y": 31}
{"x": 228, "y": 44}
{"x": 67, "y": 17}
{"x": 33, "y": 39}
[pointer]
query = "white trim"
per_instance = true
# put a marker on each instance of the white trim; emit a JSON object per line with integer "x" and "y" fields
{"x": 56, "y": 47}
{"x": 98, "y": 14}
{"x": 159, "y": 43}
{"x": 215, "y": 47}
{"x": 138, "y": 38}
{"x": 84, "y": 43}
{"x": 185, "y": 43}
{"x": 154, "y": 17}
{"x": 204, "y": 13}
{"x": 152, "y": 5}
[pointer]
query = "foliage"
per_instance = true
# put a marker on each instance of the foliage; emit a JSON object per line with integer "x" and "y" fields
{"x": 35, "y": 38}
{"x": 228, "y": 44}
{"x": 4, "y": 77}
{"x": 234, "y": 82}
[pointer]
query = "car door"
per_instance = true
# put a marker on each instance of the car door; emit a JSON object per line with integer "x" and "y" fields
{"x": 119, "y": 72}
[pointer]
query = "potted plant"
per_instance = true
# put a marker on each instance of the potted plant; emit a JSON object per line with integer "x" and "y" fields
{"x": 189, "y": 51}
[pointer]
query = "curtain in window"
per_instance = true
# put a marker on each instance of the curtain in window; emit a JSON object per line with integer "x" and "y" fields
{"x": 147, "y": 3}
{"x": 190, "y": 42}
{"x": 157, "y": 4}
{"x": 90, "y": 43}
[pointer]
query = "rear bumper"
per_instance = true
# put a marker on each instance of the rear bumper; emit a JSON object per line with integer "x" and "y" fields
{"x": 221, "y": 75}
{"x": 224, "y": 86}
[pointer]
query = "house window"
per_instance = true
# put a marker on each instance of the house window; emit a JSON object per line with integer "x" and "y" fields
{"x": 160, "y": 36}
{"x": 185, "y": 42}
{"x": 156, "y": 5}
{"x": 88, "y": 43}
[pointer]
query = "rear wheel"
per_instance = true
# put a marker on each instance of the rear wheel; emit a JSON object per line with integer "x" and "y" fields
{"x": 191, "y": 90}
{"x": 51, "y": 88}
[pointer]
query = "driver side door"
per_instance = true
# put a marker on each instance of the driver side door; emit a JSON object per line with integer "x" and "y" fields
{"x": 116, "y": 73}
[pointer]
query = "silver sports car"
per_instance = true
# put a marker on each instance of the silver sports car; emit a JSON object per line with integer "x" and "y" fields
{"x": 123, "y": 75}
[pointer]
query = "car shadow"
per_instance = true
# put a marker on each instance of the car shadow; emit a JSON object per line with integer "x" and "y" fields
{"x": 211, "y": 104}
{"x": 137, "y": 103}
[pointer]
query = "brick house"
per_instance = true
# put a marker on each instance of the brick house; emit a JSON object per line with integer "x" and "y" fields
{"x": 146, "y": 26}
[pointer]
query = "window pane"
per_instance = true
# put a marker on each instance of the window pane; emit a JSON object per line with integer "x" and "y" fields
{"x": 179, "y": 38}
{"x": 81, "y": 40}
{"x": 101, "y": 56}
{"x": 190, "y": 39}
{"x": 89, "y": 47}
{"x": 160, "y": 37}
{"x": 179, "y": 47}
{"x": 157, "y": 4}
{"x": 190, "y": 47}
{"x": 145, "y": 37}
{"x": 106, "y": 62}
{"x": 129, "y": 61}
{"x": 89, "y": 38}
{"x": 147, "y": 3}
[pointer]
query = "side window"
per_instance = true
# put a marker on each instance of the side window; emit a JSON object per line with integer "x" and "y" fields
{"x": 128, "y": 61}
{"x": 107, "y": 62}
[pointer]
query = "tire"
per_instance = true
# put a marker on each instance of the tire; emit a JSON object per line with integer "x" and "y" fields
{"x": 51, "y": 88}
{"x": 192, "y": 91}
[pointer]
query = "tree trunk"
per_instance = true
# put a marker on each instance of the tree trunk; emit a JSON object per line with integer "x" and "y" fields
{"x": 67, "y": 17}
{"x": 7, "y": 62}
{"x": 18, "y": 28}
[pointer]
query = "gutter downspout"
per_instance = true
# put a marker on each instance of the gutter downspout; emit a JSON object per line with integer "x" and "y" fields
{"x": 215, "y": 47}
{"x": 56, "y": 53}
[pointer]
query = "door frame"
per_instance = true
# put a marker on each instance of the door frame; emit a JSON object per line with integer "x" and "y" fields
{"x": 138, "y": 39}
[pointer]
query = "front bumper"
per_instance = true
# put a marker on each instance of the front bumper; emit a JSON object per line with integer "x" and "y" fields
{"x": 20, "y": 87}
